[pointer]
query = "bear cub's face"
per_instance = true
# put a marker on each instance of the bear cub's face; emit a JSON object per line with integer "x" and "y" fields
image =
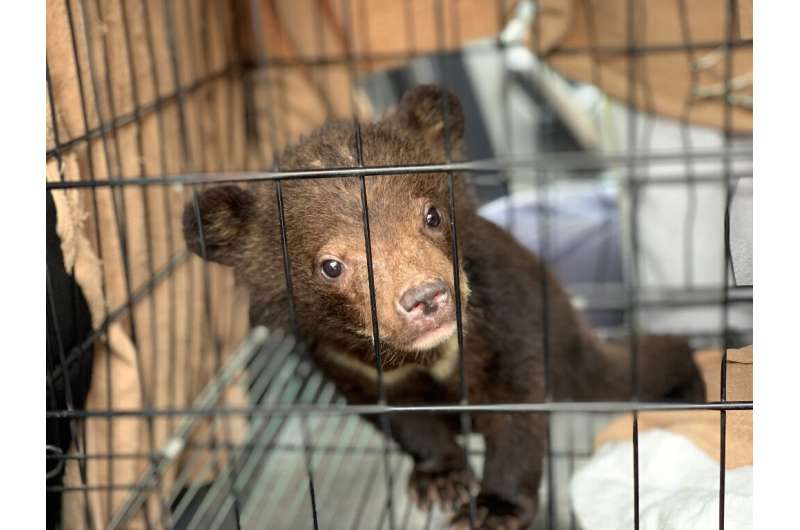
{"x": 411, "y": 262}
{"x": 410, "y": 233}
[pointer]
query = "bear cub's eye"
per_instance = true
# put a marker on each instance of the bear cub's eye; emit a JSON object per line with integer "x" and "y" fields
{"x": 332, "y": 268}
{"x": 432, "y": 218}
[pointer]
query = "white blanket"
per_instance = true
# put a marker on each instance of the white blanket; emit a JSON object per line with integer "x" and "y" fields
{"x": 678, "y": 487}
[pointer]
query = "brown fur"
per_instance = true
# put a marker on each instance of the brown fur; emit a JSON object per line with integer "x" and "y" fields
{"x": 503, "y": 287}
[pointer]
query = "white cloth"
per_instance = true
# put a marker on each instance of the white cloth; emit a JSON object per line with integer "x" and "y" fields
{"x": 678, "y": 487}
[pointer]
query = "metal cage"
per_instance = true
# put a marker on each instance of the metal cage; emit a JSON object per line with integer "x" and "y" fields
{"x": 218, "y": 426}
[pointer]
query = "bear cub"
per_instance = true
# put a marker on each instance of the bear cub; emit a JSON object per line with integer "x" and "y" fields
{"x": 522, "y": 340}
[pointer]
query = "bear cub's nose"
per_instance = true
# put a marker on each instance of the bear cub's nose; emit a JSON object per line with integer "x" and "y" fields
{"x": 425, "y": 298}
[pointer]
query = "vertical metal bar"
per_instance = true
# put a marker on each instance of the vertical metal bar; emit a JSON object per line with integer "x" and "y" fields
{"x": 507, "y": 116}
{"x": 213, "y": 443}
{"x": 262, "y": 47}
{"x": 636, "y": 469}
{"x": 188, "y": 160}
{"x": 543, "y": 230}
{"x": 552, "y": 519}
{"x": 263, "y": 61}
{"x": 283, "y": 105}
{"x": 118, "y": 203}
{"x": 309, "y": 470}
{"x": 601, "y": 265}
{"x": 264, "y": 499}
{"x": 375, "y": 332}
{"x": 289, "y": 287}
{"x": 287, "y": 266}
{"x": 72, "y": 425}
{"x": 359, "y": 144}
{"x": 232, "y": 463}
{"x": 68, "y": 398}
{"x": 730, "y": 20}
{"x": 384, "y": 419}
{"x": 631, "y": 149}
{"x": 633, "y": 283}
{"x": 686, "y": 141}
{"x": 543, "y": 226}
{"x": 341, "y": 432}
{"x": 118, "y": 206}
{"x": 147, "y": 401}
{"x": 447, "y": 144}
{"x": 465, "y": 418}
{"x": 98, "y": 238}
{"x": 54, "y": 120}
{"x": 167, "y": 207}
{"x": 180, "y": 97}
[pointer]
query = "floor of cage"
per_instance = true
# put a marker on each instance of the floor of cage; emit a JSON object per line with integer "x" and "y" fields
{"x": 350, "y": 479}
{"x": 348, "y": 463}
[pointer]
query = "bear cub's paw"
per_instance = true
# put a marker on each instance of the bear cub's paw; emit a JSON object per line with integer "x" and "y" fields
{"x": 433, "y": 482}
{"x": 491, "y": 513}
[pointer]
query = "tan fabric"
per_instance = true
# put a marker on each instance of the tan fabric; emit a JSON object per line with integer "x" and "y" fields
{"x": 171, "y": 356}
{"x": 385, "y": 32}
{"x": 382, "y": 34}
{"x": 308, "y": 42}
{"x": 703, "y": 427}
{"x": 663, "y": 79}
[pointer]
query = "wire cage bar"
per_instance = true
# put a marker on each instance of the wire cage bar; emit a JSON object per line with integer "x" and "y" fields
{"x": 166, "y": 409}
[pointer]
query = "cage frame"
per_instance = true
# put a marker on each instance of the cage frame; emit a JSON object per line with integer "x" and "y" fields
{"x": 630, "y": 159}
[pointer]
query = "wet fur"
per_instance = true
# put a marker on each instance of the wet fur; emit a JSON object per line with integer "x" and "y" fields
{"x": 506, "y": 327}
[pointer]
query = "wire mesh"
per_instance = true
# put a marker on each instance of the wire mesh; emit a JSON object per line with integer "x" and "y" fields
{"x": 222, "y": 426}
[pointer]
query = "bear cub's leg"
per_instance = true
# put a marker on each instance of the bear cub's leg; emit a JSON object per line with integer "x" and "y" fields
{"x": 509, "y": 492}
{"x": 441, "y": 475}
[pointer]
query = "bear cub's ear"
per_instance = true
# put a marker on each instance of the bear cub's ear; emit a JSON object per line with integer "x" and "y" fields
{"x": 436, "y": 114}
{"x": 216, "y": 225}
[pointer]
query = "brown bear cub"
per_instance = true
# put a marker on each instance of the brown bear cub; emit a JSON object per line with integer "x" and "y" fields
{"x": 503, "y": 292}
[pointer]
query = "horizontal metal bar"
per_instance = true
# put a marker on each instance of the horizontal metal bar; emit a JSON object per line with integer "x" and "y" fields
{"x": 335, "y": 410}
{"x": 560, "y": 161}
{"x": 612, "y": 296}
{"x": 281, "y": 447}
{"x": 333, "y": 60}
{"x": 650, "y": 48}
{"x": 100, "y": 487}
{"x": 493, "y": 179}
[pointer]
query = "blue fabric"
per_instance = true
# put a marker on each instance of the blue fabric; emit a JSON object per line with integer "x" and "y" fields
{"x": 575, "y": 228}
